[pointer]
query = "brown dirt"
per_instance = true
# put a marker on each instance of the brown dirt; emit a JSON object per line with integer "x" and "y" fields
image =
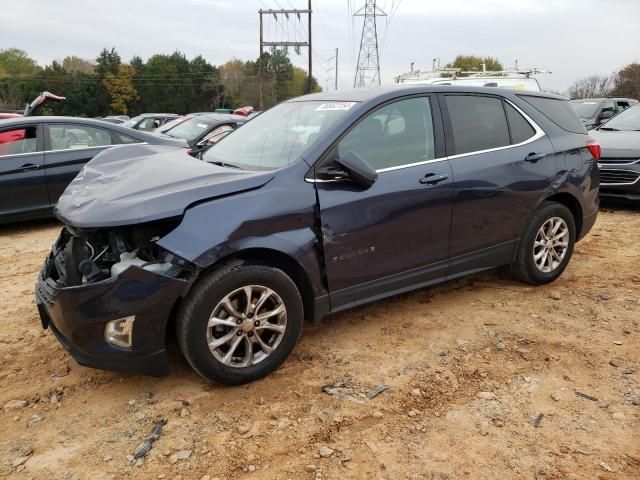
{"x": 530, "y": 348}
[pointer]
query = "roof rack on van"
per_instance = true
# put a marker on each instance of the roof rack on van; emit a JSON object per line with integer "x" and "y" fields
{"x": 455, "y": 73}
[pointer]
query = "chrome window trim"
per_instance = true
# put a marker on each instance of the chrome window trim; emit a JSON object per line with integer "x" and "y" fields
{"x": 623, "y": 183}
{"x": 98, "y": 146}
{"x": 79, "y": 149}
{"x": 10, "y": 155}
{"x": 539, "y": 133}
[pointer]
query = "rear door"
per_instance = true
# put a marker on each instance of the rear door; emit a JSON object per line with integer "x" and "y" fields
{"x": 23, "y": 188}
{"x": 68, "y": 147}
{"x": 394, "y": 235}
{"x": 502, "y": 164}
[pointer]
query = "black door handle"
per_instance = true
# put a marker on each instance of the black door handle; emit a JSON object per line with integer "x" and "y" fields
{"x": 432, "y": 178}
{"x": 29, "y": 166}
{"x": 533, "y": 157}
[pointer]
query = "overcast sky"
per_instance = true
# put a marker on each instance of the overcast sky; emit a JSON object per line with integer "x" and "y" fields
{"x": 571, "y": 38}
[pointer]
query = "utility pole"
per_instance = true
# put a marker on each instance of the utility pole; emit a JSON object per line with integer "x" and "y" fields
{"x": 283, "y": 43}
{"x": 334, "y": 68}
{"x": 368, "y": 69}
{"x": 309, "y": 30}
{"x": 261, "y": 80}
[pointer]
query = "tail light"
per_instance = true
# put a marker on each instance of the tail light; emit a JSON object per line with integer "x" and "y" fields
{"x": 189, "y": 150}
{"x": 594, "y": 149}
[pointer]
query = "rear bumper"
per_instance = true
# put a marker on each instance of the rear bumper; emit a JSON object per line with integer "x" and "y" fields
{"x": 587, "y": 224}
{"x": 77, "y": 317}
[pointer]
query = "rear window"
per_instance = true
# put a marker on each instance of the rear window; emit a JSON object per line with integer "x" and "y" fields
{"x": 521, "y": 130}
{"x": 559, "y": 112}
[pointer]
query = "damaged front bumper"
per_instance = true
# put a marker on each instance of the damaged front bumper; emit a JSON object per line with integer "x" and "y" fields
{"x": 78, "y": 315}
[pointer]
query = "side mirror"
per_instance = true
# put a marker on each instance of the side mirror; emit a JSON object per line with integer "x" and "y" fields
{"x": 606, "y": 114}
{"x": 360, "y": 172}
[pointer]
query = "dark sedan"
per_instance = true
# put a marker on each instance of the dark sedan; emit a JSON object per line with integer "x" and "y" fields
{"x": 202, "y": 131}
{"x": 620, "y": 161}
{"x": 39, "y": 156}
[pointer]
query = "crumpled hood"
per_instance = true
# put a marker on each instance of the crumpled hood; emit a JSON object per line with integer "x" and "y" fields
{"x": 140, "y": 183}
{"x": 617, "y": 144}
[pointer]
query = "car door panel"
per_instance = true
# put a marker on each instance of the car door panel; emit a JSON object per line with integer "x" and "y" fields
{"x": 23, "y": 189}
{"x": 496, "y": 190}
{"x": 372, "y": 237}
{"x": 394, "y": 234}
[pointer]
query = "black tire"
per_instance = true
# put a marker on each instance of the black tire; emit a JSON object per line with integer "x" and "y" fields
{"x": 194, "y": 313}
{"x": 524, "y": 267}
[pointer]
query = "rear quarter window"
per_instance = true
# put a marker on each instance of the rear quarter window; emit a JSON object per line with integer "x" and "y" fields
{"x": 558, "y": 111}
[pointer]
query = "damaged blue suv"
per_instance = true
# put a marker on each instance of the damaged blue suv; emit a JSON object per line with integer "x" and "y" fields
{"x": 320, "y": 204}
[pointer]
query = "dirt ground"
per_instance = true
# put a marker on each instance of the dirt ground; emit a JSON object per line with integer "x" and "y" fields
{"x": 482, "y": 375}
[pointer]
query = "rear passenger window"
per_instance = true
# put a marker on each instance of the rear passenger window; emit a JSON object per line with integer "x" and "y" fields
{"x": 18, "y": 140}
{"x": 558, "y": 111}
{"x": 478, "y": 123}
{"x": 521, "y": 130}
{"x": 73, "y": 136}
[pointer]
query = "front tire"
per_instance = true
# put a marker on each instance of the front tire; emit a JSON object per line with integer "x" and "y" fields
{"x": 547, "y": 245}
{"x": 240, "y": 323}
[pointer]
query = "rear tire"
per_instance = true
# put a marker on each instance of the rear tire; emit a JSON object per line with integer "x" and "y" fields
{"x": 547, "y": 245}
{"x": 240, "y": 323}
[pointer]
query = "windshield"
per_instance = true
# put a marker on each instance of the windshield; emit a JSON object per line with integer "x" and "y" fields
{"x": 193, "y": 128}
{"x": 172, "y": 123}
{"x": 277, "y": 137}
{"x": 585, "y": 109}
{"x": 132, "y": 122}
{"x": 628, "y": 120}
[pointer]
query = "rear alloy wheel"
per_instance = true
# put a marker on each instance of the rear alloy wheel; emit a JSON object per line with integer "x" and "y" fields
{"x": 550, "y": 245}
{"x": 240, "y": 323}
{"x": 546, "y": 247}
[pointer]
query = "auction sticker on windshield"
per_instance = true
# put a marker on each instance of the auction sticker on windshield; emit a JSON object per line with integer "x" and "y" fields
{"x": 333, "y": 106}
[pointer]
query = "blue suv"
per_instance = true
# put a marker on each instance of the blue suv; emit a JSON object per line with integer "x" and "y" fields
{"x": 320, "y": 204}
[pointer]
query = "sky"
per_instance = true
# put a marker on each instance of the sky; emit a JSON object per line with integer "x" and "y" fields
{"x": 570, "y": 38}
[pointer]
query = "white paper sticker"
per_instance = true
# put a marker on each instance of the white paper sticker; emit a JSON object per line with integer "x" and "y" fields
{"x": 335, "y": 106}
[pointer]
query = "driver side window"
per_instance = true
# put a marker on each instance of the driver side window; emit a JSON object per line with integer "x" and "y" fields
{"x": 397, "y": 134}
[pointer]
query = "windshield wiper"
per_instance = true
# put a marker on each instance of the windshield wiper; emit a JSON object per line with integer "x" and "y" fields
{"x": 220, "y": 163}
{"x": 609, "y": 129}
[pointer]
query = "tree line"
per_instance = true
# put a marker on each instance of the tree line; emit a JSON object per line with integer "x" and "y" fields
{"x": 162, "y": 83}
{"x": 623, "y": 83}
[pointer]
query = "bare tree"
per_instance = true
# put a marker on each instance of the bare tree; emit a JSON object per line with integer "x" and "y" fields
{"x": 591, "y": 87}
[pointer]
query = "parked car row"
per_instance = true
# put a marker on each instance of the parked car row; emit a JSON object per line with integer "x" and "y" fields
{"x": 317, "y": 205}
{"x": 594, "y": 111}
{"x": 620, "y": 161}
{"x": 39, "y": 156}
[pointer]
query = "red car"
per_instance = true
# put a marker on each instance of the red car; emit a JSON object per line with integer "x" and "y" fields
{"x": 7, "y": 138}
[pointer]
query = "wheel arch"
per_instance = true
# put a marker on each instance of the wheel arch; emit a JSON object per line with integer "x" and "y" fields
{"x": 277, "y": 259}
{"x": 572, "y": 203}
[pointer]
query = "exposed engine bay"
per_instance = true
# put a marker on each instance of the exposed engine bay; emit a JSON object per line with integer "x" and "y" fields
{"x": 88, "y": 256}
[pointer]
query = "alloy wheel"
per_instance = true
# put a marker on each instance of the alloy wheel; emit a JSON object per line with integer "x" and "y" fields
{"x": 550, "y": 245}
{"x": 246, "y": 326}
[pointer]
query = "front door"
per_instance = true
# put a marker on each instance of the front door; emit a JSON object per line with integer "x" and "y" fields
{"x": 23, "y": 188}
{"x": 394, "y": 235}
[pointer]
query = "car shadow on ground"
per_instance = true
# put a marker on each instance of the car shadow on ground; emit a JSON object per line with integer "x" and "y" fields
{"x": 27, "y": 227}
